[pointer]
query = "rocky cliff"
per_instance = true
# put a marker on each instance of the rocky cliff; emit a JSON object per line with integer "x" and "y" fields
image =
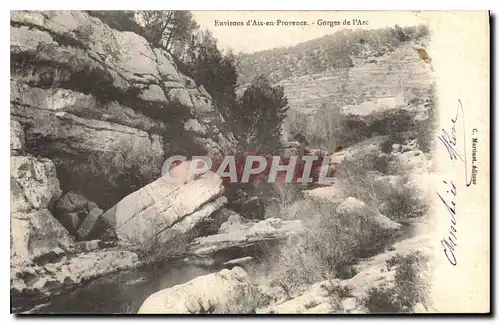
{"x": 94, "y": 113}
{"x": 103, "y": 105}
{"x": 371, "y": 78}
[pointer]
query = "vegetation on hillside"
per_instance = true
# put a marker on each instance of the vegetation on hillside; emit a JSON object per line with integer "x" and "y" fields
{"x": 324, "y": 54}
{"x": 334, "y": 240}
{"x": 328, "y": 128}
{"x": 410, "y": 287}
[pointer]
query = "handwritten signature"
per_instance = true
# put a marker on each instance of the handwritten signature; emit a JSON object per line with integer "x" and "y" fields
{"x": 450, "y": 141}
{"x": 450, "y": 242}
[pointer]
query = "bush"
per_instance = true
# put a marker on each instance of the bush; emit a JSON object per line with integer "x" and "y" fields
{"x": 328, "y": 248}
{"x": 396, "y": 138}
{"x": 410, "y": 286}
{"x": 341, "y": 291}
{"x": 296, "y": 125}
{"x": 398, "y": 201}
{"x": 326, "y": 128}
{"x": 155, "y": 248}
{"x": 390, "y": 122}
{"x": 403, "y": 202}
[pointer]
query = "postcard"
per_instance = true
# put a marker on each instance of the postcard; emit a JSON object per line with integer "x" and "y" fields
{"x": 250, "y": 162}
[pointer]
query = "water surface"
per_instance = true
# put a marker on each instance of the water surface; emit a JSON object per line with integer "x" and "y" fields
{"x": 125, "y": 291}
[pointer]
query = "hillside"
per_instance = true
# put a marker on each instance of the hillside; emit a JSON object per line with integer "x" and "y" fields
{"x": 327, "y": 53}
{"x": 346, "y": 68}
{"x": 371, "y": 78}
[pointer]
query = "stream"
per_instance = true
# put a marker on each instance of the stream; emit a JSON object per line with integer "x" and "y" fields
{"x": 125, "y": 291}
{"x": 122, "y": 292}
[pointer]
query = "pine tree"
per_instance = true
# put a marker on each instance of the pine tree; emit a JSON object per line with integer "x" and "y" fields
{"x": 261, "y": 113}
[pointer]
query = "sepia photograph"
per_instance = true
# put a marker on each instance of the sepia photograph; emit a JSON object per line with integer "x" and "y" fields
{"x": 249, "y": 162}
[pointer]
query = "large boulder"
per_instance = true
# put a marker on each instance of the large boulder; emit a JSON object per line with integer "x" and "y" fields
{"x": 104, "y": 105}
{"x": 413, "y": 160}
{"x": 162, "y": 206}
{"x": 73, "y": 210}
{"x": 234, "y": 223}
{"x": 388, "y": 183}
{"x": 225, "y": 292}
{"x": 237, "y": 234}
{"x": 355, "y": 207}
{"x": 330, "y": 193}
{"x": 36, "y": 233}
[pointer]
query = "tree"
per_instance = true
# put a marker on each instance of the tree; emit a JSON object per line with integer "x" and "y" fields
{"x": 215, "y": 70}
{"x": 167, "y": 28}
{"x": 122, "y": 20}
{"x": 260, "y": 115}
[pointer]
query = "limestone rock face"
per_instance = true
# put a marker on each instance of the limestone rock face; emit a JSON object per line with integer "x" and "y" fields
{"x": 17, "y": 140}
{"x": 54, "y": 277}
{"x": 162, "y": 206}
{"x": 34, "y": 183}
{"x": 234, "y": 223}
{"x": 104, "y": 105}
{"x": 225, "y": 292}
{"x": 34, "y": 189}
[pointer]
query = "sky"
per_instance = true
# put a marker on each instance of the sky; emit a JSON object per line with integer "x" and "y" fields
{"x": 250, "y": 39}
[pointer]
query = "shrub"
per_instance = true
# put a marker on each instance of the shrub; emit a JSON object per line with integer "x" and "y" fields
{"x": 395, "y": 138}
{"x": 404, "y": 202}
{"x": 381, "y": 300}
{"x": 398, "y": 201}
{"x": 155, "y": 248}
{"x": 425, "y": 130}
{"x": 134, "y": 163}
{"x": 336, "y": 289}
{"x": 296, "y": 125}
{"x": 410, "y": 286}
{"x": 325, "y": 128}
{"x": 390, "y": 122}
{"x": 328, "y": 248}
